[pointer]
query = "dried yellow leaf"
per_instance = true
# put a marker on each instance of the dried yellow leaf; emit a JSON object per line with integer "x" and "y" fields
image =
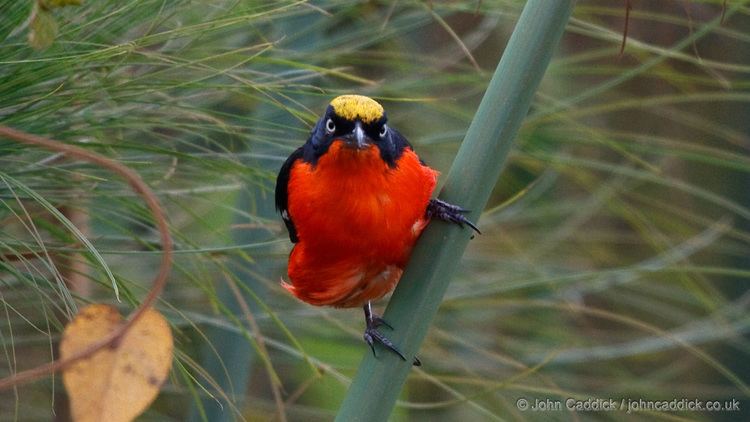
{"x": 117, "y": 383}
{"x": 61, "y": 3}
{"x": 42, "y": 29}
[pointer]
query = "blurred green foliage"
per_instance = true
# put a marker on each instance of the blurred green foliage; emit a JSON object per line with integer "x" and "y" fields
{"x": 613, "y": 262}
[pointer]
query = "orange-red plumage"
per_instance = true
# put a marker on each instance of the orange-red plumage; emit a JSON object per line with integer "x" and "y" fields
{"x": 355, "y": 198}
{"x": 357, "y": 219}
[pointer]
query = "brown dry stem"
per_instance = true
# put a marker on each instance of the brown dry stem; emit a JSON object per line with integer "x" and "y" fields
{"x": 140, "y": 187}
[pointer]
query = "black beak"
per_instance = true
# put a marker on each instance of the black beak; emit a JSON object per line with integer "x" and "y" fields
{"x": 357, "y": 138}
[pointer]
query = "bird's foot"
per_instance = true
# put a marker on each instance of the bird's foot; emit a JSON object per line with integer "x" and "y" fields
{"x": 372, "y": 335}
{"x": 449, "y": 212}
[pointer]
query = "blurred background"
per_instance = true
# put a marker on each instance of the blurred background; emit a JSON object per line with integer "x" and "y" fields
{"x": 614, "y": 257}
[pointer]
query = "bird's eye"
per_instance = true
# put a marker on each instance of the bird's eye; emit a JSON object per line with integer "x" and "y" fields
{"x": 383, "y": 130}
{"x": 330, "y": 126}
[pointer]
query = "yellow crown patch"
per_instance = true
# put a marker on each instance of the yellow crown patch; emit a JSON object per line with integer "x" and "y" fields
{"x": 352, "y": 107}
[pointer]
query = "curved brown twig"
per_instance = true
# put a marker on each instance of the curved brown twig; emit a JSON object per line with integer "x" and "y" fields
{"x": 140, "y": 187}
{"x": 628, "y": 6}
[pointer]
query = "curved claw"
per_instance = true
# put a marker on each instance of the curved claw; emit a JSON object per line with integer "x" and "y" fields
{"x": 442, "y": 210}
{"x": 473, "y": 227}
{"x": 372, "y": 335}
{"x": 378, "y": 321}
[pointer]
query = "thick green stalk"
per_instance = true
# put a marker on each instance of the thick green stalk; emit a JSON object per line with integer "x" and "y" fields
{"x": 378, "y": 381}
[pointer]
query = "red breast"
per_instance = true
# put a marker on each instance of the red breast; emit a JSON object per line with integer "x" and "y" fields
{"x": 357, "y": 220}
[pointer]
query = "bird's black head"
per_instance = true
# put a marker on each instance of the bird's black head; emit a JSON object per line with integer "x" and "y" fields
{"x": 358, "y": 121}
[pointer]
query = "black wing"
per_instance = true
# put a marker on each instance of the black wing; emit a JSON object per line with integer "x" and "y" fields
{"x": 391, "y": 151}
{"x": 282, "y": 193}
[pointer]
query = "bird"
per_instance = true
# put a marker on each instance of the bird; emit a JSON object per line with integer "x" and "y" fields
{"x": 354, "y": 199}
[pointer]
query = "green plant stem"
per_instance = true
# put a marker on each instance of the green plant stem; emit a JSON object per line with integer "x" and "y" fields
{"x": 379, "y": 380}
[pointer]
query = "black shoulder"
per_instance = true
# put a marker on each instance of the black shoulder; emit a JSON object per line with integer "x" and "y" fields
{"x": 282, "y": 193}
{"x": 393, "y": 147}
